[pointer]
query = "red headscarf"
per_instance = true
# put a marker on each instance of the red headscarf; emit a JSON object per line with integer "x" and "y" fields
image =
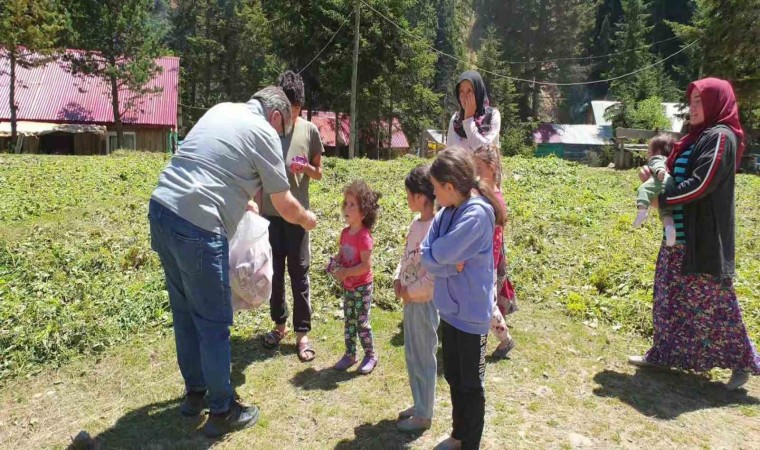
{"x": 720, "y": 108}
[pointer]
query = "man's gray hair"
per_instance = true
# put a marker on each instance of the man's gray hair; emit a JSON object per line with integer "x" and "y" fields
{"x": 272, "y": 98}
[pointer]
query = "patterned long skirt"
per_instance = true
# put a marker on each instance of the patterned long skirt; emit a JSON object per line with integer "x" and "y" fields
{"x": 697, "y": 321}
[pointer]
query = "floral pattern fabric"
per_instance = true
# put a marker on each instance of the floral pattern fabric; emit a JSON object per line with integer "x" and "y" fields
{"x": 356, "y": 307}
{"x": 697, "y": 320}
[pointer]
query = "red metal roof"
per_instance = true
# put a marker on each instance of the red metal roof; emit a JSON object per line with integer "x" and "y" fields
{"x": 50, "y": 93}
{"x": 325, "y": 122}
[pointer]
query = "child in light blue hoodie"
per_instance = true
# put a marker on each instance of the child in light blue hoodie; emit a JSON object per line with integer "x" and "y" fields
{"x": 458, "y": 252}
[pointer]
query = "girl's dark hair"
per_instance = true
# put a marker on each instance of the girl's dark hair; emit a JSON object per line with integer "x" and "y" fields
{"x": 454, "y": 165}
{"x": 292, "y": 84}
{"x": 367, "y": 200}
{"x": 662, "y": 144}
{"x": 418, "y": 182}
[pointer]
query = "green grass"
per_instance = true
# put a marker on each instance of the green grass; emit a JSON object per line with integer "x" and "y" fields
{"x": 77, "y": 275}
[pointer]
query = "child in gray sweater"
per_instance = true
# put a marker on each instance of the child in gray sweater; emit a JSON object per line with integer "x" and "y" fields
{"x": 660, "y": 147}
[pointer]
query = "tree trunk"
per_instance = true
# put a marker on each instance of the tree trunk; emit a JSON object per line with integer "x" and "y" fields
{"x": 390, "y": 128}
{"x": 12, "y": 98}
{"x": 116, "y": 113}
{"x": 337, "y": 134}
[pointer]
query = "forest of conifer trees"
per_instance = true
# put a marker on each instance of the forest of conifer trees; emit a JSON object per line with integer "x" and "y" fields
{"x": 412, "y": 51}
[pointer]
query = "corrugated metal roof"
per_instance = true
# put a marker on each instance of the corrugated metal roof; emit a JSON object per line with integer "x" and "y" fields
{"x": 672, "y": 111}
{"x": 50, "y": 93}
{"x": 599, "y": 107}
{"x": 325, "y": 122}
{"x": 551, "y": 133}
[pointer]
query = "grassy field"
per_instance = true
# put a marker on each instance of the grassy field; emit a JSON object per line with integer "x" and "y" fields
{"x": 85, "y": 336}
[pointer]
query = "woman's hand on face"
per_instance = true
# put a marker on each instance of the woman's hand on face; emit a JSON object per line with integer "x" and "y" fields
{"x": 644, "y": 173}
{"x": 469, "y": 105}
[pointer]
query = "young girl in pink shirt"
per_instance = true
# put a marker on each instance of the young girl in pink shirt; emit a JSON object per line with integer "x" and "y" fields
{"x": 353, "y": 268}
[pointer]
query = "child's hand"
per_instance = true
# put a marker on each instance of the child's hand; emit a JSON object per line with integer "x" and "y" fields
{"x": 397, "y": 288}
{"x": 460, "y": 267}
{"x": 340, "y": 274}
{"x": 661, "y": 175}
{"x": 404, "y": 294}
{"x": 298, "y": 164}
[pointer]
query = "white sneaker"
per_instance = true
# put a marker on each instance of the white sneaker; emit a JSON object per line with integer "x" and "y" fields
{"x": 407, "y": 413}
{"x": 449, "y": 444}
{"x": 414, "y": 424}
{"x": 639, "y": 361}
{"x": 738, "y": 379}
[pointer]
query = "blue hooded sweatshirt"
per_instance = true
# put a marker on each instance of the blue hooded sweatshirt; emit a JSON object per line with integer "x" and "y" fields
{"x": 463, "y": 234}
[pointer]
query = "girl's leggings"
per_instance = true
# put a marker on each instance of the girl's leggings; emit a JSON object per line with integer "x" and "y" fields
{"x": 356, "y": 306}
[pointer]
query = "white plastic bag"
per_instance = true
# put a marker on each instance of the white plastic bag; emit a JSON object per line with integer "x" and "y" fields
{"x": 251, "y": 263}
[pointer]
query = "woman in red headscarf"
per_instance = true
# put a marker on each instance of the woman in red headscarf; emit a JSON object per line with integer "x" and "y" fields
{"x": 697, "y": 320}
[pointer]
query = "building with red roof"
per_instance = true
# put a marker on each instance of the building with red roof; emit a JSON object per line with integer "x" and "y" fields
{"x": 335, "y": 135}
{"x": 62, "y": 113}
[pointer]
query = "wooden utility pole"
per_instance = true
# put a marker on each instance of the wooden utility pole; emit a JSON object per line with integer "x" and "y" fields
{"x": 357, "y": 23}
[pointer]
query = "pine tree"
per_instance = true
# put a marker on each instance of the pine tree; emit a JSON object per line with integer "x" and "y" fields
{"x": 727, "y": 38}
{"x": 120, "y": 40}
{"x": 29, "y": 33}
{"x": 501, "y": 90}
{"x": 632, "y": 39}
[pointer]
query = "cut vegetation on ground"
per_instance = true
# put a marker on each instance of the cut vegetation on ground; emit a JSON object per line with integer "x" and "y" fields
{"x": 86, "y": 343}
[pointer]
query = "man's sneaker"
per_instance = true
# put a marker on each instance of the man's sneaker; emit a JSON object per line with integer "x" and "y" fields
{"x": 738, "y": 379}
{"x": 238, "y": 417}
{"x": 193, "y": 404}
{"x": 368, "y": 364}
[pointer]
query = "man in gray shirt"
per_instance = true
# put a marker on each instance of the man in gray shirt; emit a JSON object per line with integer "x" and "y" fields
{"x": 228, "y": 156}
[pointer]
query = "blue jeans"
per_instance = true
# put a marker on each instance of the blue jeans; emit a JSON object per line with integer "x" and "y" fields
{"x": 196, "y": 264}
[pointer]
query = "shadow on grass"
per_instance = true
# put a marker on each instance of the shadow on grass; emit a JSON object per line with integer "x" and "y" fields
{"x": 249, "y": 350}
{"x": 158, "y": 425}
{"x": 398, "y": 339}
{"x": 668, "y": 394}
{"x": 327, "y": 379}
{"x": 382, "y": 435}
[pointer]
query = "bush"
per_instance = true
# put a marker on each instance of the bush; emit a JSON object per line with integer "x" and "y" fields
{"x": 648, "y": 114}
{"x": 518, "y": 140}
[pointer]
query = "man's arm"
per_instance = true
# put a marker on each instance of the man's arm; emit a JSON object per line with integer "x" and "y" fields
{"x": 292, "y": 211}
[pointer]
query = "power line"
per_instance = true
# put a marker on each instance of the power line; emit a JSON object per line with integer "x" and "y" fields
{"x": 583, "y": 58}
{"x": 299, "y": 72}
{"x": 345, "y": 20}
{"x": 543, "y": 83}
